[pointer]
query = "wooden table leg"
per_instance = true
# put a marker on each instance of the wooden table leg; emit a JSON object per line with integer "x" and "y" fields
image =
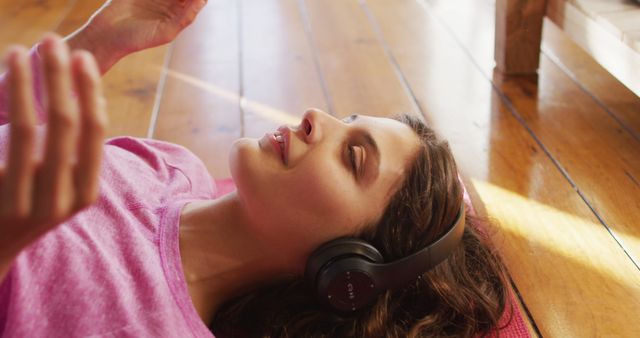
{"x": 518, "y": 35}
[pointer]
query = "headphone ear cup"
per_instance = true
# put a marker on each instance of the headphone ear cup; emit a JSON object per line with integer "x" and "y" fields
{"x": 328, "y": 253}
{"x": 344, "y": 254}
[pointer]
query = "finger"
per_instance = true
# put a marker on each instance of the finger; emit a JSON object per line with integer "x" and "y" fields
{"x": 55, "y": 178}
{"x": 93, "y": 124}
{"x": 17, "y": 192}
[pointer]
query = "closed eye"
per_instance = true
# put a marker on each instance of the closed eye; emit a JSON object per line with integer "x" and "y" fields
{"x": 354, "y": 158}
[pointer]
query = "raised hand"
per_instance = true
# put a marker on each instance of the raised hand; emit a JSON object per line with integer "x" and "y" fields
{"x": 142, "y": 24}
{"x": 37, "y": 195}
{"x": 121, "y": 27}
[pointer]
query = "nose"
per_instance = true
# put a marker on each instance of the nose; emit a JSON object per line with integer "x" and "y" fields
{"x": 315, "y": 123}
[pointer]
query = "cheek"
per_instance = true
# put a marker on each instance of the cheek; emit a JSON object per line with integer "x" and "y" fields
{"x": 325, "y": 198}
{"x": 313, "y": 189}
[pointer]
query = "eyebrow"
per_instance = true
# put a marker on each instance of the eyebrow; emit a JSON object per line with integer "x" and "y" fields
{"x": 372, "y": 144}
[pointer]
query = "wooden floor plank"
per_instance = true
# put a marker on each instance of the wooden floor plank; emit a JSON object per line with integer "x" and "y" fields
{"x": 359, "y": 76}
{"x": 594, "y": 149}
{"x": 78, "y": 16}
{"x": 279, "y": 77}
{"x": 131, "y": 88}
{"x": 618, "y": 99}
{"x": 9, "y": 9}
{"x": 200, "y": 104}
{"x": 24, "y": 22}
{"x": 566, "y": 266}
{"x": 602, "y": 159}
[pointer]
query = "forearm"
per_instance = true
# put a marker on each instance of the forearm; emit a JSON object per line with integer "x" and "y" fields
{"x": 93, "y": 39}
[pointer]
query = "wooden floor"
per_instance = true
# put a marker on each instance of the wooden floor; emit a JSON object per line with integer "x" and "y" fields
{"x": 554, "y": 160}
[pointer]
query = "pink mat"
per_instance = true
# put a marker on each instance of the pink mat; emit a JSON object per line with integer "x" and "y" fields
{"x": 512, "y": 323}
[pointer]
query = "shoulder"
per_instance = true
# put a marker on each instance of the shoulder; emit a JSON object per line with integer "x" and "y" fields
{"x": 165, "y": 161}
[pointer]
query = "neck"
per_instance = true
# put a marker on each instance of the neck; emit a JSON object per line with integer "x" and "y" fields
{"x": 221, "y": 257}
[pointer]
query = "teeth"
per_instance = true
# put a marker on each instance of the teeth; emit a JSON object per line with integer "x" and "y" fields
{"x": 280, "y": 139}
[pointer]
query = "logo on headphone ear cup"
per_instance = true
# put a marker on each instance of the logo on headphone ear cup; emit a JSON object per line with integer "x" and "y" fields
{"x": 338, "y": 273}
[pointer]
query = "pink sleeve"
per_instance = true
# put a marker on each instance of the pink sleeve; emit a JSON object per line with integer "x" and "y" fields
{"x": 36, "y": 69}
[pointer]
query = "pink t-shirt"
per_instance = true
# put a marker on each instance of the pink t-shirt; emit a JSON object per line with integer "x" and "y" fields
{"x": 114, "y": 269}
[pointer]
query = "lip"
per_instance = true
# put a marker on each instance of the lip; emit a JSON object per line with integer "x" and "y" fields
{"x": 276, "y": 145}
{"x": 286, "y": 134}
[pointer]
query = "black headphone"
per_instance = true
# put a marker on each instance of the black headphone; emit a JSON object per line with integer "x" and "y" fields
{"x": 348, "y": 273}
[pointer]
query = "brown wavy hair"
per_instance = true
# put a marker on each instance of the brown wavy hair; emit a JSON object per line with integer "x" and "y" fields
{"x": 464, "y": 296}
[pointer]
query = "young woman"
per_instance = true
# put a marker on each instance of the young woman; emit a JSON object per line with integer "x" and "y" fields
{"x": 129, "y": 237}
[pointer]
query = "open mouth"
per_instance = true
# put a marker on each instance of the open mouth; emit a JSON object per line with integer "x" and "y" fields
{"x": 280, "y": 140}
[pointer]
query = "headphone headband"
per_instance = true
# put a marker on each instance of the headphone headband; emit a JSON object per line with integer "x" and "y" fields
{"x": 396, "y": 275}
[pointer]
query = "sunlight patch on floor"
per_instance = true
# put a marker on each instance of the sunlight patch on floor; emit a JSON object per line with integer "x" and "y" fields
{"x": 267, "y": 112}
{"x": 543, "y": 229}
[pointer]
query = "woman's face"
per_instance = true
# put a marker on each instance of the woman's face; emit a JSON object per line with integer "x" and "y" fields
{"x": 326, "y": 179}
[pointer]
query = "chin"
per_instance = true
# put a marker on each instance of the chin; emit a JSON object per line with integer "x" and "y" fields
{"x": 244, "y": 158}
{"x": 239, "y": 153}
